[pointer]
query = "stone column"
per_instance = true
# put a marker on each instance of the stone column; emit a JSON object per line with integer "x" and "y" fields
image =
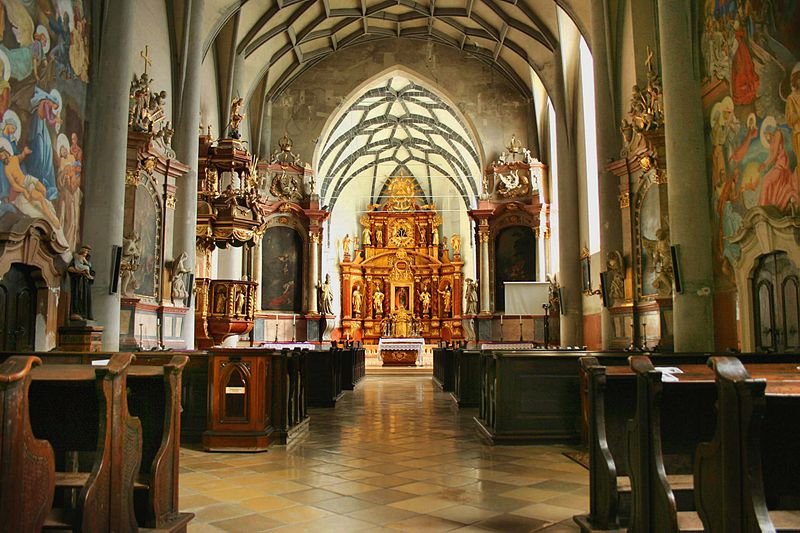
{"x": 690, "y": 220}
{"x": 607, "y": 150}
{"x": 186, "y": 148}
{"x": 257, "y": 266}
{"x": 486, "y": 283}
{"x": 313, "y": 270}
{"x": 104, "y": 179}
{"x": 569, "y": 247}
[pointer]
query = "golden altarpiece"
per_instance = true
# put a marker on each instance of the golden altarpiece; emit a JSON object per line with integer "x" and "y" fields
{"x": 402, "y": 281}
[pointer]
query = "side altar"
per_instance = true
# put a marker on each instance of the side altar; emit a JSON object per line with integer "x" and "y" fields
{"x": 402, "y": 280}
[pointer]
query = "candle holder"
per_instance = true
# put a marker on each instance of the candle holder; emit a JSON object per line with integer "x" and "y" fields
{"x": 501, "y": 328}
{"x": 276, "y": 328}
{"x": 520, "y": 328}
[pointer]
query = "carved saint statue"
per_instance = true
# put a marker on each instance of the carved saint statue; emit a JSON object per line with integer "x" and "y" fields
{"x": 131, "y": 252}
{"x": 81, "y": 277}
{"x": 615, "y": 276}
{"x": 471, "y": 293}
{"x": 358, "y": 301}
{"x": 179, "y": 290}
{"x": 220, "y": 301}
{"x": 425, "y": 300}
{"x": 435, "y": 236}
{"x": 379, "y": 236}
{"x": 661, "y": 261}
{"x": 236, "y": 118}
{"x": 447, "y": 298}
{"x": 326, "y": 296}
{"x": 366, "y": 238}
{"x": 455, "y": 242}
{"x": 346, "y": 244}
{"x": 240, "y": 301}
{"x": 377, "y": 300}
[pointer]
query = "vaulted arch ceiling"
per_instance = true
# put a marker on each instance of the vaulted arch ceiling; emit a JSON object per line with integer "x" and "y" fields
{"x": 397, "y": 123}
{"x": 281, "y": 39}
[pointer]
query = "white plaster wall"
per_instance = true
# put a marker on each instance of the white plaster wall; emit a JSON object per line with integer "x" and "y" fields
{"x": 209, "y": 98}
{"x": 151, "y": 30}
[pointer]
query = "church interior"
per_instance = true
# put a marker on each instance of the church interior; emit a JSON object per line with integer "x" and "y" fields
{"x": 483, "y": 265}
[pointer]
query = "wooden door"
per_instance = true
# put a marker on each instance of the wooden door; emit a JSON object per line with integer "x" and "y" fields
{"x": 776, "y": 291}
{"x": 17, "y": 309}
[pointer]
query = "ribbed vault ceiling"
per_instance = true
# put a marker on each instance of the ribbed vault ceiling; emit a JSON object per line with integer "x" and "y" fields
{"x": 398, "y": 124}
{"x": 283, "y": 38}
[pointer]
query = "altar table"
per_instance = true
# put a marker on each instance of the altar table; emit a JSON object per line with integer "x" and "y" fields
{"x": 401, "y": 351}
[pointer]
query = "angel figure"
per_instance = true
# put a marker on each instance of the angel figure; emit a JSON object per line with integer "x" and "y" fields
{"x": 660, "y": 261}
{"x": 179, "y": 290}
{"x": 615, "y": 272}
{"x": 236, "y": 118}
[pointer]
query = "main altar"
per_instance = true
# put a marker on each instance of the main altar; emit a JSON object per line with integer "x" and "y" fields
{"x": 404, "y": 279}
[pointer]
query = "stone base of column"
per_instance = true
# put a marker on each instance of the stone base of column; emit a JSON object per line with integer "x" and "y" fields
{"x": 81, "y": 337}
{"x": 469, "y": 325}
{"x": 327, "y": 323}
{"x": 314, "y": 327}
{"x": 485, "y": 328}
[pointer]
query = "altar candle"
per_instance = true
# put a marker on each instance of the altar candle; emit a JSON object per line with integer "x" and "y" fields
{"x": 501, "y": 321}
{"x": 294, "y": 318}
{"x": 520, "y": 320}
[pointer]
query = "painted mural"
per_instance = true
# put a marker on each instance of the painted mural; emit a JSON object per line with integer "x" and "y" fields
{"x": 751, "y": 62}
{"x": 282, "y": 270}
{"x": 44, "y": 72}
{"x": 515, "y": 251}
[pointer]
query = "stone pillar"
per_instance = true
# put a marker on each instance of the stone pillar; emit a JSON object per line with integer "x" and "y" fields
{"x": 486, "y": 282}
{"x": 313, "y": 270}
{"x": 186, "y": 148}
{"x": 104, "y": 179}
{"x": 607, "y": 150}
{"x": 690, "y": 220}
{"x": 257, "y": 266}
{"x": 569, "y": 247}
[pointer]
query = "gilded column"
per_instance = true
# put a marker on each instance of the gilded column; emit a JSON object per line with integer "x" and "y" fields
{"x": 186, "y": 148}
{"x": 607, "y": 150}
{"x": 104, "y": 180}
{"x": 690, "y": 219}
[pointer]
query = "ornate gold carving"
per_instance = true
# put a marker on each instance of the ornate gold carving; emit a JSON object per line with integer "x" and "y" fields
{"x": 285, "y": 208}
{"x": 660, "y": 178}
{"x": 402, "y": 193}
{"x": 484, "y": 236}
{"x": 646, "y": 162}
{"x": 132, "y": 178}
{"x": 170, "y": 201}
{"x": 315, "y": 237}
{"x": 624, "y": 200}
{"x": 402, "y": 234}
{"x": 149, "y": 164}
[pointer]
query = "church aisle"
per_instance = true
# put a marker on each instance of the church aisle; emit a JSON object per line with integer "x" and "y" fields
{"x": 393, "y": 455}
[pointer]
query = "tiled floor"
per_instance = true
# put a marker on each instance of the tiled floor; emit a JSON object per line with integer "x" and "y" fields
{"x": 395, "y": 454}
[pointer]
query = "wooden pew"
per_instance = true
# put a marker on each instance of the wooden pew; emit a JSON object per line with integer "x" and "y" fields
{"x": 27, "y": 464}
{"x": 443, "y": 370}
{"x": 746, "y": 476}
{"x": 154, "y": 396}
{"x": 672, "y": 418}
{"x": 353, "y": 366}
{"x": 324, "y": 378}
{"x": 466, "y": 370}
{"x": 83, "y": 412}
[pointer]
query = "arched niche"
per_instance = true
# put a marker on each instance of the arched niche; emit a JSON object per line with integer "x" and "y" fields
{"x": 282, "y": 268}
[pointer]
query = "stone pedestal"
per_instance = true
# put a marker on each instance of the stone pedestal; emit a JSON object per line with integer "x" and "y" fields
{"x": 326, "y": 325}
{"x": 81, "y": 337}
{"x": 485, "y": 328}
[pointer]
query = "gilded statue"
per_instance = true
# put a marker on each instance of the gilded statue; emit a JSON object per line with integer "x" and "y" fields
{"x": 514, "y": 147}
{"x": 240, "y": 301}
{"x": 377, "y": 300}
{"x": 455, "y": 242}
{"x": 236, "y": 118}
{"x": 379, "y": 236}
{"x": 366, "y": 238}
{"x": 447, "y": 298}
{"x": 425, "y": 300}
{"x": 346, "y": 244}
{"x": 512, "y": 184}
{"x": 358, "y": 301}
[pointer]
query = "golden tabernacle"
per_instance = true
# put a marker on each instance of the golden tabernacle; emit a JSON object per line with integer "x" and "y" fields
{"x": 402, "y": 281}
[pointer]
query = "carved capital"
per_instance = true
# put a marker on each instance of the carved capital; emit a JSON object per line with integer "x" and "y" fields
{"x": 132, "y": 178}
{"x": 315, "y": 236}
{"x": 170, "y": 201}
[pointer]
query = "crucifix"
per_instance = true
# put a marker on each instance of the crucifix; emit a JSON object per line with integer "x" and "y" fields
{"x": 148, "y": 62}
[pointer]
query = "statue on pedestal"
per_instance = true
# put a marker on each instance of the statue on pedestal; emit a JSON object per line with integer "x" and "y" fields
{"x": 81, "y": 277}
{"x": 366, "y": 238}
{"x": 377, "y": 300}
{"x": 425, "y": 300}
{"x": 455, "y": 242}
{"x": 326, "y": 296}
{"x": 358, "y": 301}
{"x": 346, "y": 244}
{"x": 179, "y": 291}
{"x": 236, "y": 118}
{"x": 471, "y": 292}
{"x": 447, "y": 298}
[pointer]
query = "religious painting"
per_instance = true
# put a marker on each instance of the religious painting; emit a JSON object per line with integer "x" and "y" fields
{"x": 147, "y": 224}
{"x": 750, "y": 52}
{"x": 515, "y": 259}
{"x": 282, "y": 270}
{"x": 401, "y": 298}
{"x": 44, "y": 67}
